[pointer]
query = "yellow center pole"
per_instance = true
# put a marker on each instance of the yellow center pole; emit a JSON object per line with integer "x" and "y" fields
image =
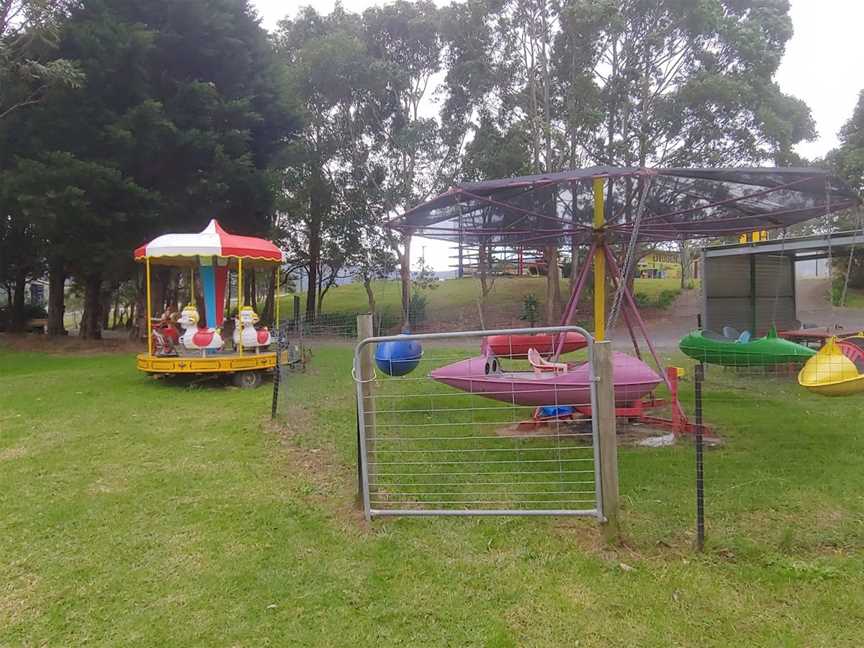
{"x": 240, "y": 302}
{"x": 599, "y": 264}
{"x": 192, "y": 286}
{"x": 149, "y": 314}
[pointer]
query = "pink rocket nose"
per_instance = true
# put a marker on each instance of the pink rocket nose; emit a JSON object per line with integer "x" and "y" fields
{"x": 477, "y": 367}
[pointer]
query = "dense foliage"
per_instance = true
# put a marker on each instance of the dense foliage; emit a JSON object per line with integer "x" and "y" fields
{"x": 156, "y": 115}
{"x": 182, "y": 116}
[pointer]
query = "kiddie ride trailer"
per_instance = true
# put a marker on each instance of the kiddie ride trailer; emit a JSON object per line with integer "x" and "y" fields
{"x": 201, "y": 348}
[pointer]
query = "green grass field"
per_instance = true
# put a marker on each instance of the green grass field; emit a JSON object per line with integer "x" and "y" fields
{"x": 855, "y": 298}
{"x": 145, "y": 513}
{"x": 454, "y": 295}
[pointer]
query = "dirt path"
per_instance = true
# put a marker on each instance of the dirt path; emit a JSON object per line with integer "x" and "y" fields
{"x": 665, "y": 327}
{"x": 814, "y": 307}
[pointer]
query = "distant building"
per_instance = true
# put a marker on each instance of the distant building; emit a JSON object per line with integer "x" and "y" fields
{"x": 35, "y": 292}
{"x": 659, "y": 265}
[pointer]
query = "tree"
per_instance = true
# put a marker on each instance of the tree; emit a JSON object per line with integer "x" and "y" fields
{"x": 411, "y": 146}
{"x": 335, "y": 80}
{"x": 182, "y": 118}
{"x": 632, "y": 83}
{"x": 28, "y": 40}
{"x": 847, "y": 160}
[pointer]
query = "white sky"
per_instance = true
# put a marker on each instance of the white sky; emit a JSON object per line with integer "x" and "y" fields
{"x": 822, "y": 66}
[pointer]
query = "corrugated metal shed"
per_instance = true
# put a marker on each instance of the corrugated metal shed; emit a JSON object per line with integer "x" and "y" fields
{"x": 752, "y": 286}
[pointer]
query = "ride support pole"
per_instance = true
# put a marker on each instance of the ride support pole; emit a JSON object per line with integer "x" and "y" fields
{"x": 276, "y": 297}
{"x": 700, "y": 481}
{"x": 599, "y": 264}
{"x": 240, "y": 303}
{"x": 149, "y": 310}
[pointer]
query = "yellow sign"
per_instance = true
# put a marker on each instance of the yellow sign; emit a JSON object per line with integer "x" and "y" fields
{"x": 755, "y": 237}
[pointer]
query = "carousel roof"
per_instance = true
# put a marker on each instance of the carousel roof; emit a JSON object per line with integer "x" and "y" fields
{"x": 211, "y": 241}
{"x": 678, "y": 204}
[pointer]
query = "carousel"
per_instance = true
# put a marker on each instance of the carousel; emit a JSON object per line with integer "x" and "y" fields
{"x": 195, "y": 340}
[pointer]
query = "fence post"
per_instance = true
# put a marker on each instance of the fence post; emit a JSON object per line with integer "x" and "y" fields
{"x": 296, "y": 313}
{"x": 277, "y": 374}
{"x": 607, "y": 438}
{"x": 700, "y": 485}
{"x": 365, "y": 329}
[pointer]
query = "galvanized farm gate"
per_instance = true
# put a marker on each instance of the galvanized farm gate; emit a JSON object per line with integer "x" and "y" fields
{"x": 426, "y": 448}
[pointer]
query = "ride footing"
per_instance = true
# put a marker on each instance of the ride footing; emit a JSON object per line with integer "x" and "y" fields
{"x": 639, "y": 411}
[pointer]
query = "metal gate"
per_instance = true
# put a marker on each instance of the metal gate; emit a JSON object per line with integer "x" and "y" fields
{"x": 433, "y": 446}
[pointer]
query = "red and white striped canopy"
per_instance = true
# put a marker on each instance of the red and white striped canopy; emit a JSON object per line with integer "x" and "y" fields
{"x": 212, "y": 241}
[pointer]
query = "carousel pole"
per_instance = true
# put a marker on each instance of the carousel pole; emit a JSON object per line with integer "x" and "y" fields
{"x": 276, "y": 297}
{"x": 149, "y": 313}
{"x": 240, "y": 296}
{"x": 599, "y": 264}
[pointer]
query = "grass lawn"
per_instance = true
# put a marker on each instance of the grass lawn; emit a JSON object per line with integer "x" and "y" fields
{"x": 454, "y": 295}
{"x": 144, "y": 513}
{"x": 855, "y": 298}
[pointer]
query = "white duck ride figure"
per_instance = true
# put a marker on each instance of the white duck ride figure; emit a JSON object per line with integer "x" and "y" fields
{"x": 245, "y": 332}
{"x": 197, "y": 337}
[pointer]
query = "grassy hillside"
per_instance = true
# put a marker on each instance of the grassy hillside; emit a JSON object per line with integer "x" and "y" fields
{"x": 453, "y": 297}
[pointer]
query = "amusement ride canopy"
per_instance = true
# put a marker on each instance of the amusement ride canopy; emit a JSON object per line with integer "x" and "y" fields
{"x": 184, "y": 249}
{"x": 552, "y": 208}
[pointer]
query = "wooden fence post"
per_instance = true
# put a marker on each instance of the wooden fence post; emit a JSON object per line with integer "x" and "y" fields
{"x": 365, "y": 329}
{"x": 607, "y": 438}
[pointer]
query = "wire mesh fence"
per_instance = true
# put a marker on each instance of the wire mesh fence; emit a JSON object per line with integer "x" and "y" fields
{"x": 464, "y": 433}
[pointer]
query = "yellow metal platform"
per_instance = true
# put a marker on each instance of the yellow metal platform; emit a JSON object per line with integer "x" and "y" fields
{"x": 223, "y": 363}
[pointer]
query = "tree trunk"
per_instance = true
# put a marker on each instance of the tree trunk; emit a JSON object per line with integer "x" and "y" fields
{"x": 160, "y": 289}
{"x": 91, "y": 320}
{"x": 574, "y": 263}
{"x": 105, "y": 307}
{"x": 483, "y": 265}
{"x": 268, "y": 316}
{"x": 253, "y": 291}
{"x": 553, "y": 286}
{"x": 405, "y": 276}
{"x": 139, "y": 322}
{"x": 18, "y": 319}
{"x": 312, "y": 279}
{"x": 685, "y": 265}
{"x": 317, "y": 209}
{"x": 370, "y": 296}
{"x": 56, "y": 297}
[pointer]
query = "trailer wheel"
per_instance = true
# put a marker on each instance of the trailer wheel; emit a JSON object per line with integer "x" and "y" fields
{"x": 247, "y": 379}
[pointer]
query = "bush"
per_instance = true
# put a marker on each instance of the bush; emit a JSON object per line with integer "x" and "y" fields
{"x": 666, "y": 298}
{"x": 530, "y": 309}
{"x": 417, "y": 309}
{"x": 643, "y": 300}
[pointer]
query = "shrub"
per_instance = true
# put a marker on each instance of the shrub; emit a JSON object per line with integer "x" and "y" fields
{"x": 530, "y": 309}
{"x": 666, "y": 298}
{"x": 417, "y": 308}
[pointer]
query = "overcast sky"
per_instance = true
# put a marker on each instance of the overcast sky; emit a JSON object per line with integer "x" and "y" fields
{"x": 823, "y": 62}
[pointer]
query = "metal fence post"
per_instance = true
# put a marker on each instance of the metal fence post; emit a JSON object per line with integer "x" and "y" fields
{"x": 700, "y": 486}
{"x": 365, "y": 408}
{"x": 607, "y": 438}
{"x": 277, "y": 374}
